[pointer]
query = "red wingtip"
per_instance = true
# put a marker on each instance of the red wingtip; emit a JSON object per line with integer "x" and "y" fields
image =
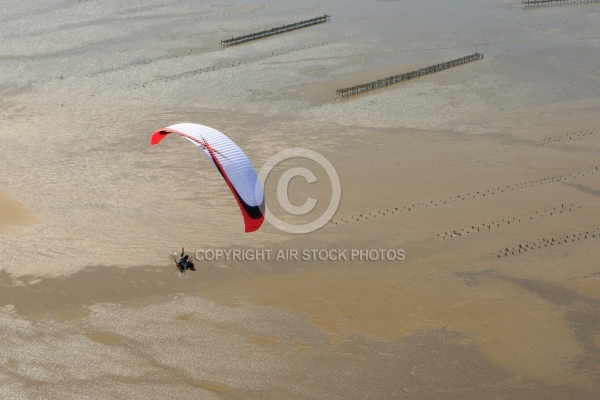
{"x": 158, "y": 136}
{"x": 252, "y": 224}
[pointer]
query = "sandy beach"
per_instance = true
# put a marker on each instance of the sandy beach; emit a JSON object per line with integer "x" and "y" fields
{"x": 485, "y": 178}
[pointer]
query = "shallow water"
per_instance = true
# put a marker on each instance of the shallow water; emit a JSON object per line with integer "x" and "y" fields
{"x": 83, "y": 86}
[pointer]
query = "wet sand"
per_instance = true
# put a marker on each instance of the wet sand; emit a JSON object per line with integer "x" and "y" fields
{"x": 12, "y": 213}
{"x": 486, "y": 176}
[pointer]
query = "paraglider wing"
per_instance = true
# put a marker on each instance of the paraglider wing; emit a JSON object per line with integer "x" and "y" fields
{"x": 232, "y": 163}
